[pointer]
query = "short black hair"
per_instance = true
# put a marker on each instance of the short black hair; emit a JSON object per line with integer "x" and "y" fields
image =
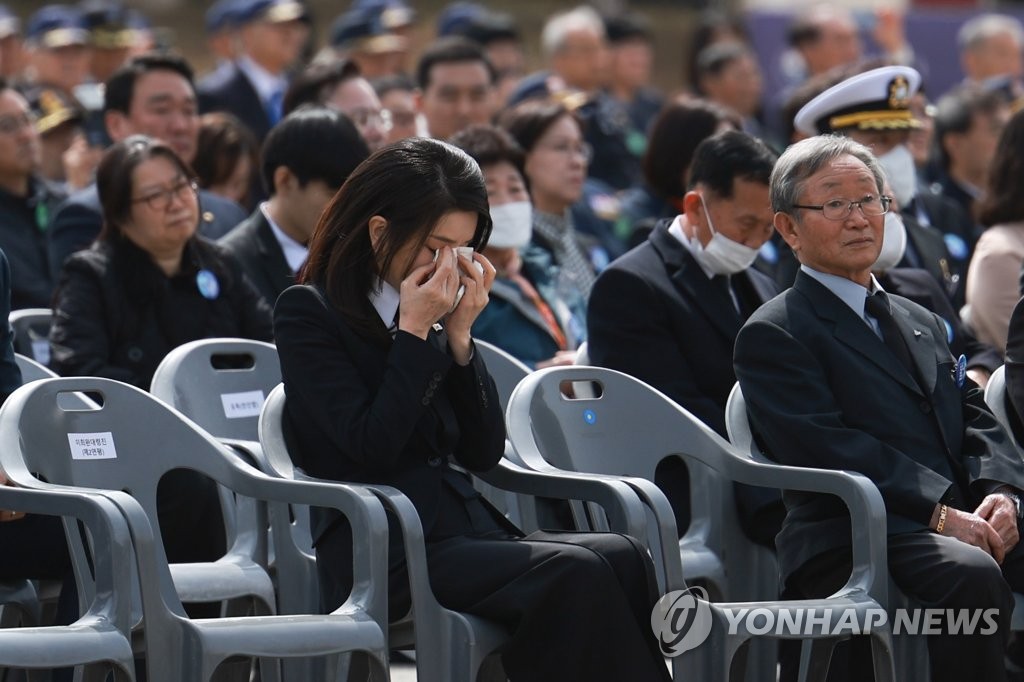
{"x": 315, "y": 83}
{"x": 120, "y": 87}
{"x": 396, "y": 81}
{"x": 450, "y": 50}
{"x": 314, "y": 143}
{"x": 722, "y": 158}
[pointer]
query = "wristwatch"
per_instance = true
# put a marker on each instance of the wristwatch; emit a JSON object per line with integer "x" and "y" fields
{"x": 1016, "y": 501}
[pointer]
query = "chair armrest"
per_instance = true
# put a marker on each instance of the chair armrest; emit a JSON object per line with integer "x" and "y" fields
{"x": 619, "y": 501}
{"x": 861, "y": 496}
{"x": 111, "y": 542}
{"x": 623, "y": 512}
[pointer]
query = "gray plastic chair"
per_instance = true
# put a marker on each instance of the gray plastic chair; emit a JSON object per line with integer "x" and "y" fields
{"x": 145, "y": 438}
{"x": 32, "y": 333}
{"x": 100, "y": 640}
{"x": 194, "y": 378}
{"x": 452, "y": 646}
{"x": 630, "y": 427}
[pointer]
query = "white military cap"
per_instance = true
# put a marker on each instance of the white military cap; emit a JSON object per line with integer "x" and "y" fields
{"x": 874, "y": 100}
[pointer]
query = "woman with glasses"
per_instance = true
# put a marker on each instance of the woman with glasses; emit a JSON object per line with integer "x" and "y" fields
{"x": 524, "y": 316}
{"x": 556, "y": 168}
{"x": 149, "y": 283}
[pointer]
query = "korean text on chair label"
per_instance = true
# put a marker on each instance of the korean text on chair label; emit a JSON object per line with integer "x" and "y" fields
{"x": 240, "y": 405}
{"x": 92, "y": 445}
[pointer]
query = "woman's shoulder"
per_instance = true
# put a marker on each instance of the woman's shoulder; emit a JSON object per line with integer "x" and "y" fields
{"x": 97, "y": 259}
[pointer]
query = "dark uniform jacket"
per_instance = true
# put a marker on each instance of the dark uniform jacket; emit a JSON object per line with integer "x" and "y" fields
{"x": 117, "y": 315}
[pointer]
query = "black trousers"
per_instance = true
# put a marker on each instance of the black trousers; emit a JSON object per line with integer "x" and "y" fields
{"x": 934, "y": 571}
{"x": 578, "y": 605}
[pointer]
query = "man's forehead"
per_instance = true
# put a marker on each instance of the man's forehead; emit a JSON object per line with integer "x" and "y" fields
{"x": 841, "y": 171}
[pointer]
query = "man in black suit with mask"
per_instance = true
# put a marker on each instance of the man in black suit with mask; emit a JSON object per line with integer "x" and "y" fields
{"x": 841, "y": 375}
{"x": 668, "y": 311}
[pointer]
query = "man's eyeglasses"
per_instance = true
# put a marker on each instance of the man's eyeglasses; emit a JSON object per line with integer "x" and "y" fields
{"x": 160, "y": 200}
{"x": 840, "y": 209}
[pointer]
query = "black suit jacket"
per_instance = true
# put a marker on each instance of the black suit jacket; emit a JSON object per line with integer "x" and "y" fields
{"x": 230, "y": 90}
{"x": 921, "y": 288}
{"x": 254, "y": 245}
{"x": 655, "y": 315}
{"x": 383, "y": 412}
{"x": 824, "y": 391}
{"x": 78, "y": 220}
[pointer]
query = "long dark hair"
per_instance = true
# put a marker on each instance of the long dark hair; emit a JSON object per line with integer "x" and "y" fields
{"x": 412, "y": 184}
{"x": 1004, "y": 202}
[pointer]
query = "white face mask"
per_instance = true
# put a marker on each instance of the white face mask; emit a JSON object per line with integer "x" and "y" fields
{"x": 900, "y": 171}
{"x": 722, "y": 255}
{"x": 894, "y": 243}
{"x": 512, "y": 225}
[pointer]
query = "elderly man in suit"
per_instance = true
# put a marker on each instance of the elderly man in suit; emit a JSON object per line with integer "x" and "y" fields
{"x": 271, "y": 244}
{"x": 668, "y": 311}
{"x": 838, "y": 374}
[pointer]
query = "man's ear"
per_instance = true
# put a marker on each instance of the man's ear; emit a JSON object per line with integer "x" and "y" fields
{"x": 118, "y": 126}
{"x": 377, "y": 226}
{"x": 284, "y": 182}
{"x": 693, "y": 209}
{"x": 786, "y": 225}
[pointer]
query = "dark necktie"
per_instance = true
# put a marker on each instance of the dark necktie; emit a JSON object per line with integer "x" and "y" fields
{"x": 877, "y": 306}
{"x": 723, "y": 283}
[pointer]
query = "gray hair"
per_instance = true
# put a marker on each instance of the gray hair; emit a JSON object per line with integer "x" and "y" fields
{"x": 975, "y": 32}
{"x": 552, "y": 38}
{"x": 807, "y": 157}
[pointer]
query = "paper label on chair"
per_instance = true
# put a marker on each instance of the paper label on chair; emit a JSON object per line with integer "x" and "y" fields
{"x": 92, "y": 445}
{"x": 240, "y": 405}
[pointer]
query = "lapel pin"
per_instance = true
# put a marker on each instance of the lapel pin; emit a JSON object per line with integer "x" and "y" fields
{"x": 917, "y": 332}
{"x": 437, "y": 327}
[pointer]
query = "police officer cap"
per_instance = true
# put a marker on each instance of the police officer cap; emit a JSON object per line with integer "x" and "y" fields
{"x": 393, "y": 13}
{"x": 222, "y": 15}
{"x": 273, "y": 11}
{"x": 9, "y": 22}
{"x": 874, "y": 100}
{"x": 57, "y": 26}
{"x": 364, "y": 30}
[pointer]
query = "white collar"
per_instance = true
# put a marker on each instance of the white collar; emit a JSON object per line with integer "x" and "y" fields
{"x": 265, "y": 83}
{"x": 384, "y": 299}
{"x": 691, "y": 245}
{"x": 849, "y": 292}
{"x": 295, "y": 253}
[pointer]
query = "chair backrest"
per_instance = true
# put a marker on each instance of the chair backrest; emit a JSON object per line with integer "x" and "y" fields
{"x": 625, "y": 429}
{"x": 996, "y": 398}
{"x": 506, "y": 370}
{"x": 737, "y": 422}
{"x": 32, "y": 332}
{"x": 32, "y": 370}
{"x": 126, "y": 441}
{"x": 275, "y": 449}
{"x": 219, "y": 383}
{"x": 583, "y": 354}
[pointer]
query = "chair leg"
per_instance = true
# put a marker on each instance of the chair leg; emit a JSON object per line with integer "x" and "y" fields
{"x": 881, "y": 656}
{"x": 815, "y": 657}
